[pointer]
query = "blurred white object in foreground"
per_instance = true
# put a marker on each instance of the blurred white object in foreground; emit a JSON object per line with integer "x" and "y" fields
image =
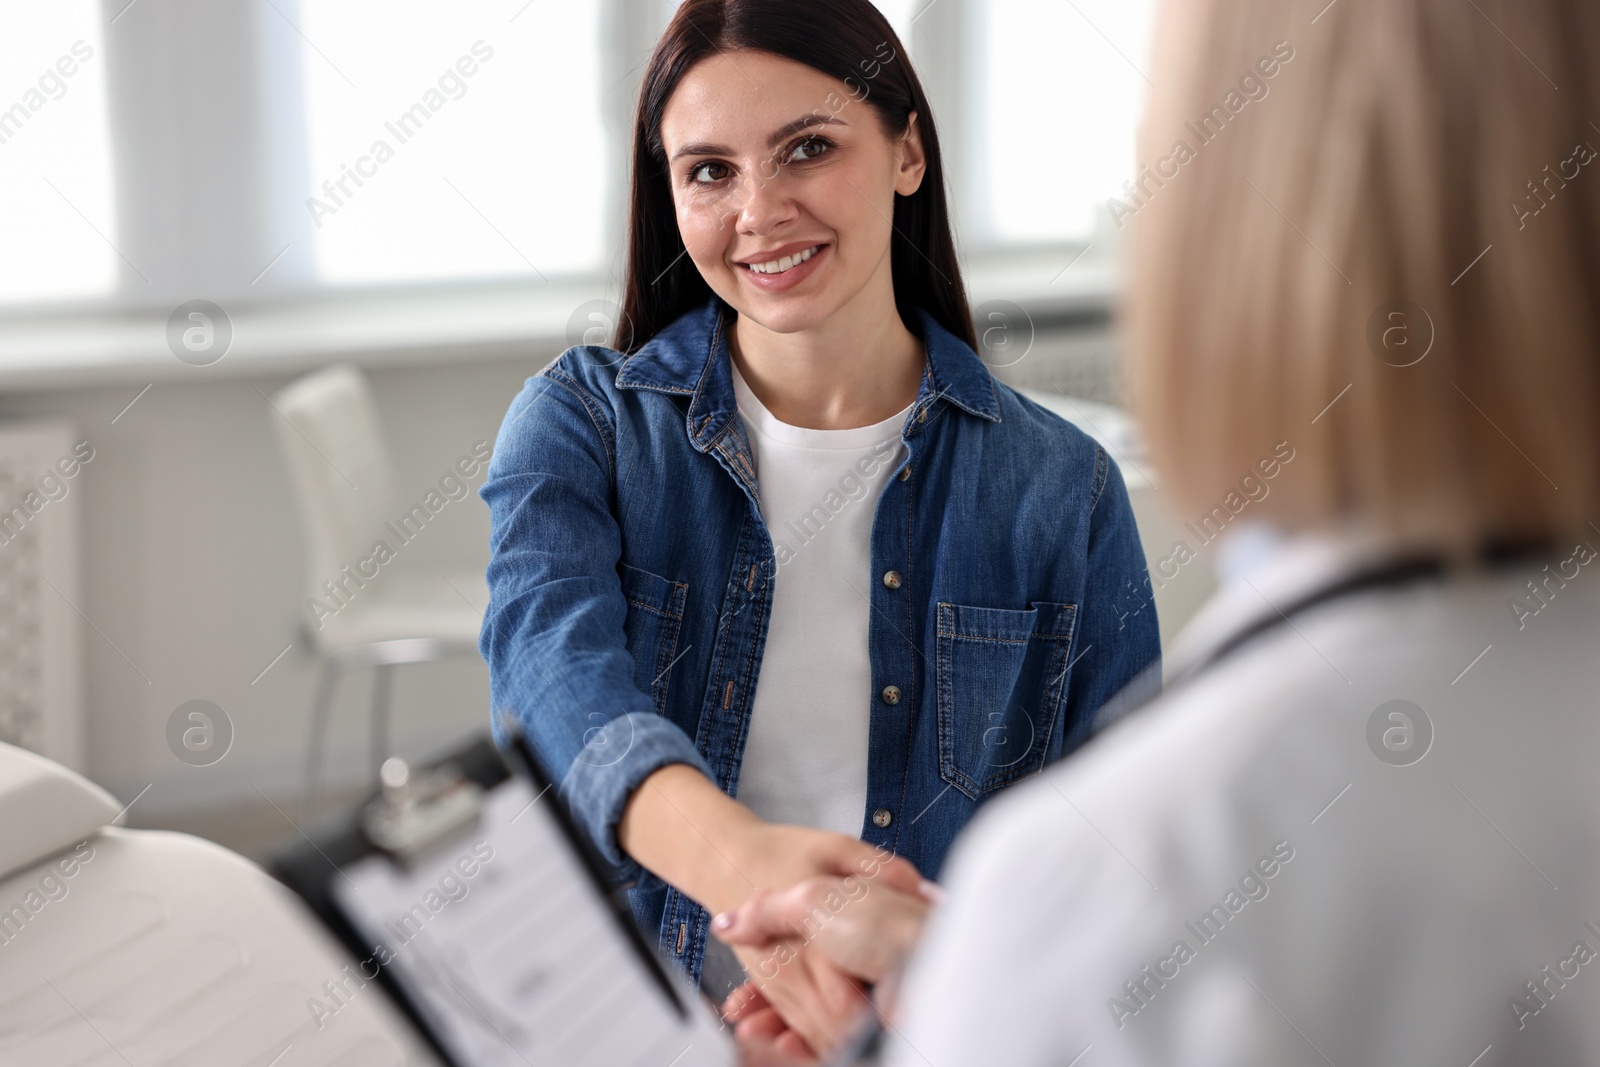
{"x": 1370, "y": 835}
{"x": 132, "y": 946}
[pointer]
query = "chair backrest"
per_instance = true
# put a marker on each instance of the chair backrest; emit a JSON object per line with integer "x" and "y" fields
{"x": 140, "y": 946}
{"x": 340, "y": 465}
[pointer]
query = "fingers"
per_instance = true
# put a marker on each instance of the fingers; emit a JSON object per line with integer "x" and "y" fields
{"x": 765, "y": 1025}
{"x": 786, "y": 1050}
{"x": 777, "y": 915}
{"x": 863, "y": 933}
{"x": 766, "y": 916}
{"x": 742, "y": 1002}
{"x": 761, "y": 1031}
{"x": 807, "y": 946}
{"x": 842, "y": 994}
{"x": 792, "y": 1046}
{"x": 899, "y": 873}
{"x": 805, "y": 1009}
{"x": 819, "y": 1022}
{"x": 815, "y": 999}
{"x": 896, "y": 872}
{"x": 877, "y": 866}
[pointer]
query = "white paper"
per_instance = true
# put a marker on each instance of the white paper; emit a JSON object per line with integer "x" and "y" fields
{"x": 521, "y": 962}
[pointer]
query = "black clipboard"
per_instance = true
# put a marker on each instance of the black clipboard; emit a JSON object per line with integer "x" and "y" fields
{"x": 314, "y": 867}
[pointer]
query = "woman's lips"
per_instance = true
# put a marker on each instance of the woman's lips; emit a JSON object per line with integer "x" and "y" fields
{"x": 778, "y": 283}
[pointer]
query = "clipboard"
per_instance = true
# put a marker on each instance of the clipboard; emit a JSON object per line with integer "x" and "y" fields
{"x": 466, "y": 895}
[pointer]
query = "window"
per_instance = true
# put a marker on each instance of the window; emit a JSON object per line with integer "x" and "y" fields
{"x": 1059, "y": 87}
{"x": 55, "y": 155}
{"x": 453, "y": 140}
{"x": 900, "y": 13}
{"x": 292, "y": 149}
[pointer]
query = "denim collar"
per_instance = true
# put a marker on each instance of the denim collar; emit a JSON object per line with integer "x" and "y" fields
{"x": 690, "y": 358}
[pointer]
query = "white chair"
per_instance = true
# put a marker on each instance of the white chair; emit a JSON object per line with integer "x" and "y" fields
{"x": 142, "y": 946}
{"x": 345, "y": 484}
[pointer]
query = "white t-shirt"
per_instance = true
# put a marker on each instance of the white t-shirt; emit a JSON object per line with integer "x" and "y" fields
{"x": 805, "y": 760}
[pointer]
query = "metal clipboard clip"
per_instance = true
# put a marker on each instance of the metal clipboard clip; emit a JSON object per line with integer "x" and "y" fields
{"x": 418, "y": 810}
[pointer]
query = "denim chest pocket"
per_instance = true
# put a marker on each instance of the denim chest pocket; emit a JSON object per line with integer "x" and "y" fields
{"x": 1001, "y": 681}
{"x": 655, "y": 615}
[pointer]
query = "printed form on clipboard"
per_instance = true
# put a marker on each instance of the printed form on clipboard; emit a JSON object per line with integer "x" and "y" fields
{"x": 512, "y": 955}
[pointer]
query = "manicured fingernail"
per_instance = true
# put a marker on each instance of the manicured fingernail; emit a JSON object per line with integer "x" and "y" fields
{"x": 932, "y": 892}
{"x": 722, "y": 921}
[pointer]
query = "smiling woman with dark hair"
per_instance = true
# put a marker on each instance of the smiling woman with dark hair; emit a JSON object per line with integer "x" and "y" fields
{"x": 784, "y": 581}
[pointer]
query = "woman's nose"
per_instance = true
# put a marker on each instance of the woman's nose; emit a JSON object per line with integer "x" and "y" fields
{"x": 765, "y": 202}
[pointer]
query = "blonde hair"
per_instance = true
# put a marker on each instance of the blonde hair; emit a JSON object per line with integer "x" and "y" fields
{"x": 1382, "y": 161}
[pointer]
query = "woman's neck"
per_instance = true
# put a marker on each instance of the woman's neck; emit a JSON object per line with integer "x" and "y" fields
{"x": 859, "y": 367}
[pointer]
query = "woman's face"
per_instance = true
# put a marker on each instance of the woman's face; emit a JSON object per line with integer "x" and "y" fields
{"x": 771, "y": 160}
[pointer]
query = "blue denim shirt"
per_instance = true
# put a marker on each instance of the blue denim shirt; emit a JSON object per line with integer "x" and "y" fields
{"x": 631, "y": 588}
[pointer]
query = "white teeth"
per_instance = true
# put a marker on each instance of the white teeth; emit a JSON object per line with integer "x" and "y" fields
{"x": 778, "y": 266}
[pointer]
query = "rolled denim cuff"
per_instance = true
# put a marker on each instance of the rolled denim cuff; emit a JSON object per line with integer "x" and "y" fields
{"x": 614, "y": 761}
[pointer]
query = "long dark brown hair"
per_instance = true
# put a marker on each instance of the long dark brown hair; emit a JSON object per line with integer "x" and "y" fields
{"x": 843, "y": 39}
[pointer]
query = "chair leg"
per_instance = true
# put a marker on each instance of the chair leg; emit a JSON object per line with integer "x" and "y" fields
{"x": 320, "y": 713}
{"x": 382, "y": 688}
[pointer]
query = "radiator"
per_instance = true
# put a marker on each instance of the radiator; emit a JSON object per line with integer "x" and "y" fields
{"x": 42, "y": 467}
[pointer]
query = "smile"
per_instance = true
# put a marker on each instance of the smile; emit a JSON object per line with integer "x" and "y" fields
{"x": 787, "y": 263}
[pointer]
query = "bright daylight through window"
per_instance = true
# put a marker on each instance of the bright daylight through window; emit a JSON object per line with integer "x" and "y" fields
{"x": 55, "y": 155}
{"x": 453, "y": 140}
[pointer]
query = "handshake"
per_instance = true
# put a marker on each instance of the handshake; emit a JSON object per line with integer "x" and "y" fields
{"x": 823, "y": 953}
{"x": 820, "y": 921}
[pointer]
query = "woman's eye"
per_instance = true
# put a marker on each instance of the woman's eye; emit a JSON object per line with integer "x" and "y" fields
{"x": 810, "y": 149}
{"x": 696, "y": 171}
{"x": 804, "y": 151}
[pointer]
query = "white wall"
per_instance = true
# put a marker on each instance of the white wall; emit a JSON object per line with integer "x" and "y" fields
{"x": 194, "y": 569}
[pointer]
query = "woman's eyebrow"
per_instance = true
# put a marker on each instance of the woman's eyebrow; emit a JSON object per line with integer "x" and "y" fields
{"x": 805, "y": 122}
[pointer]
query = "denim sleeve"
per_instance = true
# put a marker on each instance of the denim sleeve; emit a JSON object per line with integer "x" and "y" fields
{"x": 553, "y": 635}
{"x": 1119, "y": 641}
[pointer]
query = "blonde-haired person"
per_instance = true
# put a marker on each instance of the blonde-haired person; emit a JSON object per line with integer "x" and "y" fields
{"x": 1362, "y": 825}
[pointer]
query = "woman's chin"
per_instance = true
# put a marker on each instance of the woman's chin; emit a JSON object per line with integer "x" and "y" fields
{"x": 787, "y": 320}
{"x": 784, "y": 312}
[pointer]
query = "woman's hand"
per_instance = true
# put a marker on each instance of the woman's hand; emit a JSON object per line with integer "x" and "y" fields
{"x": 808, "y": 1004}
{"x": 689, "y": 833}
{"x": 760, "y": 1052}
{"x": 685, "y": 830}
{"x": 866, "y": 930}
{"x": 822, "y": 1005}
{"x": 864, "y": 927}
{"x": 762, "y": 1034}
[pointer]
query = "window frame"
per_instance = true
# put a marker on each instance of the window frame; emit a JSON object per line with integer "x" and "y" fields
{"x": 233, "y": 70}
